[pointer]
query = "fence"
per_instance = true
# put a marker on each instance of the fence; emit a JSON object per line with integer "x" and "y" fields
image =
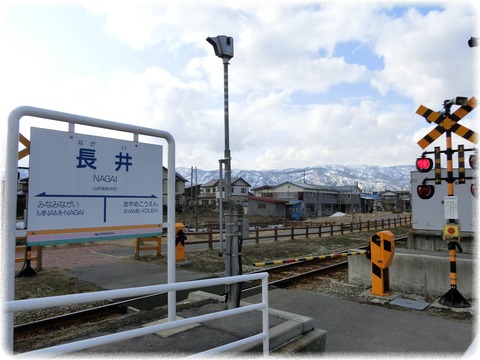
{"x": 33, "y": 304}
{"x": 306, "y": 229}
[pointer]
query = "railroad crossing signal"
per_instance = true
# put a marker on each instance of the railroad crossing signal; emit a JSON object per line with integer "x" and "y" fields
{"x": 448, "y": 123}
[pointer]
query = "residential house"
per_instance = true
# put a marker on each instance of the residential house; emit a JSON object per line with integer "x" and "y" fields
{"x": 396, "y": 201}
{"x": 192, "y": 193}
{"x": 179, "y": 190}
{"x": 308, "y": 200}
{"x": 369, "y": 202}
{"x": 349, "y": 201}
{"x": 388, "y": 200}
{"x": 266, "y": 206}
{"x": 210, "y": 192}
{"x": 262, "y": 191}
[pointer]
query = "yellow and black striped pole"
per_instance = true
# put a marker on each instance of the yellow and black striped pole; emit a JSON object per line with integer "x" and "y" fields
{"x": 309, "y": 258}
{"x": 453, "y": 297}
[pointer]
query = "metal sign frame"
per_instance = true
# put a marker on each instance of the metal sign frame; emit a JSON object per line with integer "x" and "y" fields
{"x": 9, "y": 193}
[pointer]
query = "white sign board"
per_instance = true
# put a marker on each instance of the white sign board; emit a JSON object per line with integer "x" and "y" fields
{"x": 450, "y": 207}
{"x": 84, "y": 187}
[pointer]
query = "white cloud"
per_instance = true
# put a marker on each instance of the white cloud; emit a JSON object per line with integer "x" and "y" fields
{"x": 294, "y": 100}
{"x": 426, "y": 57}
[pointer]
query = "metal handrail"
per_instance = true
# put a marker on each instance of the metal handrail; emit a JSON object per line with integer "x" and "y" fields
{"x": 33, "y": 304}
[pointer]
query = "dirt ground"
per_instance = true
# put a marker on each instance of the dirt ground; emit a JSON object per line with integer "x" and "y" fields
{"x": 52, "y": 281}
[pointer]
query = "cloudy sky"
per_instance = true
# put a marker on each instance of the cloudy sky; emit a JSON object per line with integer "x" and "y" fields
{"x": 311, "y": 82}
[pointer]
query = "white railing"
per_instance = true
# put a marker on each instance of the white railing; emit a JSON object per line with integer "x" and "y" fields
{"x": 38, "y": 303}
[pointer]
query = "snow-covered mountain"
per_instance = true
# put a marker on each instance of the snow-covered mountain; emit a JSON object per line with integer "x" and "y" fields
{"x": 369, "y": 178}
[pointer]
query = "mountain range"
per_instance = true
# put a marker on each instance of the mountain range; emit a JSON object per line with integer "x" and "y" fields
{"x": 369, "y": 178}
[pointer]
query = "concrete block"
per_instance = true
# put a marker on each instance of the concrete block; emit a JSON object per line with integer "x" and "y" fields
{"x": 418, "y": 272}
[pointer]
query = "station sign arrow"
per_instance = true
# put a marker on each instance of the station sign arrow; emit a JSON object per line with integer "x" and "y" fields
{"x": 44, "y": 194}
{"x": 104, "y": 197}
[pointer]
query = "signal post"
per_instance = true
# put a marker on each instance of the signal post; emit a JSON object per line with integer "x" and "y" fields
{"x": 448, "y": 123}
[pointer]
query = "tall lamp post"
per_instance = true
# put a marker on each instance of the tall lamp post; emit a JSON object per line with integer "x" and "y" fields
{"x": 223, "y": 46}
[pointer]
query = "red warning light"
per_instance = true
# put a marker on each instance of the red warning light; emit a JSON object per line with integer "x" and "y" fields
{"x": 424, "y": 164}
{"x": 425, "y": 191}
{"x": 472, "y": 160}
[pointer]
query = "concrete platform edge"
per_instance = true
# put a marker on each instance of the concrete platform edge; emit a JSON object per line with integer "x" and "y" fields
{"x": 297, "y": 334}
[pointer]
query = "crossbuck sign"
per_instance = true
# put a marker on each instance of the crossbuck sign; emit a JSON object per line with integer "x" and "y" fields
{"x": 84, "y": 187}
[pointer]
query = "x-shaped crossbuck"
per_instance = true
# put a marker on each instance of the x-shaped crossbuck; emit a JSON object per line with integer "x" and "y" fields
{"x": 448, "y": 123}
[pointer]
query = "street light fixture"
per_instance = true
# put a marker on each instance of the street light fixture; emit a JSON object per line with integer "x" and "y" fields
{"x": 223, "y": 47}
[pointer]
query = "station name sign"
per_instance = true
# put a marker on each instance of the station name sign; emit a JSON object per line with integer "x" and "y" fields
{"x": 88, "y": 188}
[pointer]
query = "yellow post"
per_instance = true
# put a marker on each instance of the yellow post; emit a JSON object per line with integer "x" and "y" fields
{"x": 180, "y": 238}
{"x": 382, "y": 249}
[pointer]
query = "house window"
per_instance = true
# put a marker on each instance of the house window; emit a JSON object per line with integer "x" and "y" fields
{"x": 261, "y": 206}
{"x": 244, "y": 191}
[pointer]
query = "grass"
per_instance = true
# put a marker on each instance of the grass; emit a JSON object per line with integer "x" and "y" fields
{"x": 208, "y": 260}
{"x": 52, "y": 282}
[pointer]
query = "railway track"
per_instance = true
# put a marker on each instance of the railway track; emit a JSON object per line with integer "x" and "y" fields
{"x": 279, "y": 276}
{"x": 286, "y": 274}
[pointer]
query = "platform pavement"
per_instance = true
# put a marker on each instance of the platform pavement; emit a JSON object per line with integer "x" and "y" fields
{"x": 352, "y": 328}
{"x": 358, "y": 328}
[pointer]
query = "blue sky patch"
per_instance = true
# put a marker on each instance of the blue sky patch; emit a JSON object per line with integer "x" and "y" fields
{"x": 354, "y": 52}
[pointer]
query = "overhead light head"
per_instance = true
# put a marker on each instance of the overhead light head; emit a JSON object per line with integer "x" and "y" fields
{"x": 223, "y": 46}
